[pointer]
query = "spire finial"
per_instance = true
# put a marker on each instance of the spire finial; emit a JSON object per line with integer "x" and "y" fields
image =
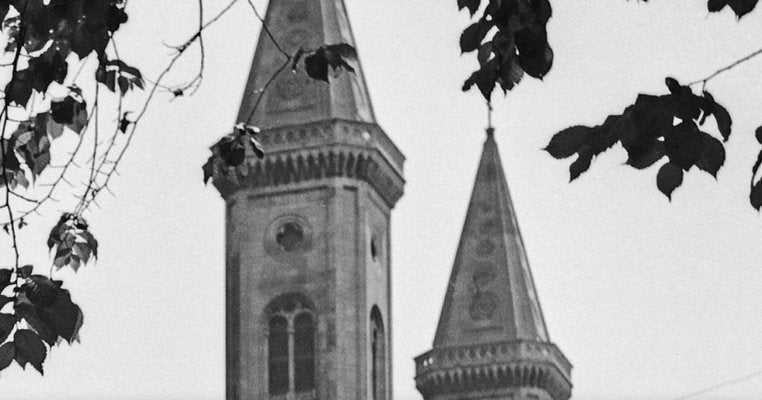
{"x": 490, "y": 128}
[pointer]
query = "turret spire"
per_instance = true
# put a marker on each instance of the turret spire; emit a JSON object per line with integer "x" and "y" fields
{"x": 491, "y": 340}
{"x": 293, "y": 97}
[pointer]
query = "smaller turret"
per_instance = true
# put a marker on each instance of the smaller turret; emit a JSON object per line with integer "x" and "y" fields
{"x": 491, "y": 341}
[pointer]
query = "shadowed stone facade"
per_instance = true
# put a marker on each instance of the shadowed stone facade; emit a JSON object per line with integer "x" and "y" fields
{"x": 308, "y": 246}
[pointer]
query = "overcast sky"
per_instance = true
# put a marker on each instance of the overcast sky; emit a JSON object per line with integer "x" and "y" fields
{"x": 648, "y": 299}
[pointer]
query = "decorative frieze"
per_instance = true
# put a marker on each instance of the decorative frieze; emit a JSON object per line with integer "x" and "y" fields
{"x": 493, "y": 367}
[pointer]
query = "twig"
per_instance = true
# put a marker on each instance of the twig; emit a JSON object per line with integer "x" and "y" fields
{"x": 264, "y": 89}
{"x": 267, "y": 30}
{"x": 727, "y": 68}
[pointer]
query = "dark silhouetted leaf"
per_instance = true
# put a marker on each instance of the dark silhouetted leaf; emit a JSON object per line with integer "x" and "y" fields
{"x": 670, "y": 176}
{"x": 25, "y": 271}
{"x": 755, "y": 197}
{"x": 472, "y": 36}
{"x": 5, "y": 278}
{"x": 5, "y": 300}
{"x": 739, "y": 7}
{"x": 684, "y": 145}
{"x": 673, "y": 86}
{"x": 7, "y": 353}
{"x": 721, "y": 115}
{"x": 29, "y": 349}
{"x": 471, "y": 5}
{"x": 758, "y": 134}
{"x": 40, "y": 290}
{"x": 645, "y": 154}
{"x": 580, "y": 165}
{"x": 569, "y": 141}
{"x": 535, "y": 55}
{"x": 28, "y": 313}
{"x": 7, "y": 322}
{"x": 62, "y": 315}
{"x": 712, "y": 156}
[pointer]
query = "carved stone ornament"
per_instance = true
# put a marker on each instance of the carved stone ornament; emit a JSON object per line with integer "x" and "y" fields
{"x": 289, "y": 87}
{"x": 483, "y": 305}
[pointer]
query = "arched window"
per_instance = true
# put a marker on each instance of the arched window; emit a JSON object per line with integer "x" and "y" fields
{"x": 377, "y": 355}
{"x": 277, "y": 355}
{"x": 290, "y": 346}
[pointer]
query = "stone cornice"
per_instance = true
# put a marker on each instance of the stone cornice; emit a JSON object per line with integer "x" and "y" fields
{"x": 320, "y": 150}
{"x": 333, "y": 132}
{"x": 510, "y": 364}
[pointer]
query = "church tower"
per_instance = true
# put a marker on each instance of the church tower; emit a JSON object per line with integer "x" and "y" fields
{"x": 307, "y": 237}
{"x": 491, "y": 341}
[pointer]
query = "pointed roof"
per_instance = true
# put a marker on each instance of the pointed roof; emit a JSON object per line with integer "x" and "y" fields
{"x": 491, "y": 295}
{"x": 295, "y": 98}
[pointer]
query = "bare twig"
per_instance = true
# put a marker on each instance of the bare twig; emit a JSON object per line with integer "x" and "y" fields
{"x": 726, "y": 68}
{"x": 267, "y": 30}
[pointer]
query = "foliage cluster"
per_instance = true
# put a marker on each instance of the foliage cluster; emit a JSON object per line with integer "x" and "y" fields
{"x": 510, "y": 38}
{"x": 44, "y": 39}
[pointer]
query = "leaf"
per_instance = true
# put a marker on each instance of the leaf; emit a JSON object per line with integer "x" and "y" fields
{"x": 739, "y": 7}
{"x": 712, "y": 156}
{"x": 580, "y": 165}
{"x": 755, "y": 196}
{"x": 208, "y": 169}
{"x": 535, "y": 55}
{"x": 472, "y": 5}
{"x": 40, "y": 290}
{"x": 29, "y": 349}
{"x": 472, "y": 36}
{"x": 684, "y": 145}
{"x": 7, "y": 353}
{"x": 70, "y": 112}
{"x": 646, "y": 154}
{"x": 19, "y": 89}
{"x": 7, "y": 322}
{"x": 673, "y": 86}
{"x": 334, "y": 55}
{"x": 63, "y": 316}
{"x": 316, "y": 66}
{"x": 484, "y": 78}
{"x": 28, "y": 313}
{"x": 124, "y": 85}
{"x": 757, "y": 164}
{"x": 758, "y": 134}
{"x": 567, "y": 142}
{"x": 5, "y": 278}
{"x": 25, "y": 271}
{"x": 721, "y": 116}
{"x": 669, "y": 177}
{"x": 5, "y": 300}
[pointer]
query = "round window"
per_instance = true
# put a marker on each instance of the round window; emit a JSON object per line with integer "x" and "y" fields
{"x": 289, "y": 236}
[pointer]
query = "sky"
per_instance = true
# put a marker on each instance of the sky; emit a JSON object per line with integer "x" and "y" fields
{"x": 649, "y": 299}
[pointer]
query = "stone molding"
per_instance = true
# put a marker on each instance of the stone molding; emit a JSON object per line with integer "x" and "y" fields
{"x": 324, "y": 150}
{"x": 494, "y": 366}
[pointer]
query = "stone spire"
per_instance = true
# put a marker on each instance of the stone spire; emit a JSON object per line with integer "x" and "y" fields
{"x": 294, "y": 98}
{"x": 491, "y": 339}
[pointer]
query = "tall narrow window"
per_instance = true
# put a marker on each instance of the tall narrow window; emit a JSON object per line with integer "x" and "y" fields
{"x": 377, "y": 355}
{"x": 291, "y": 346}
{"x": 304, "y": 353}
{"x": 278, "y": 355}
